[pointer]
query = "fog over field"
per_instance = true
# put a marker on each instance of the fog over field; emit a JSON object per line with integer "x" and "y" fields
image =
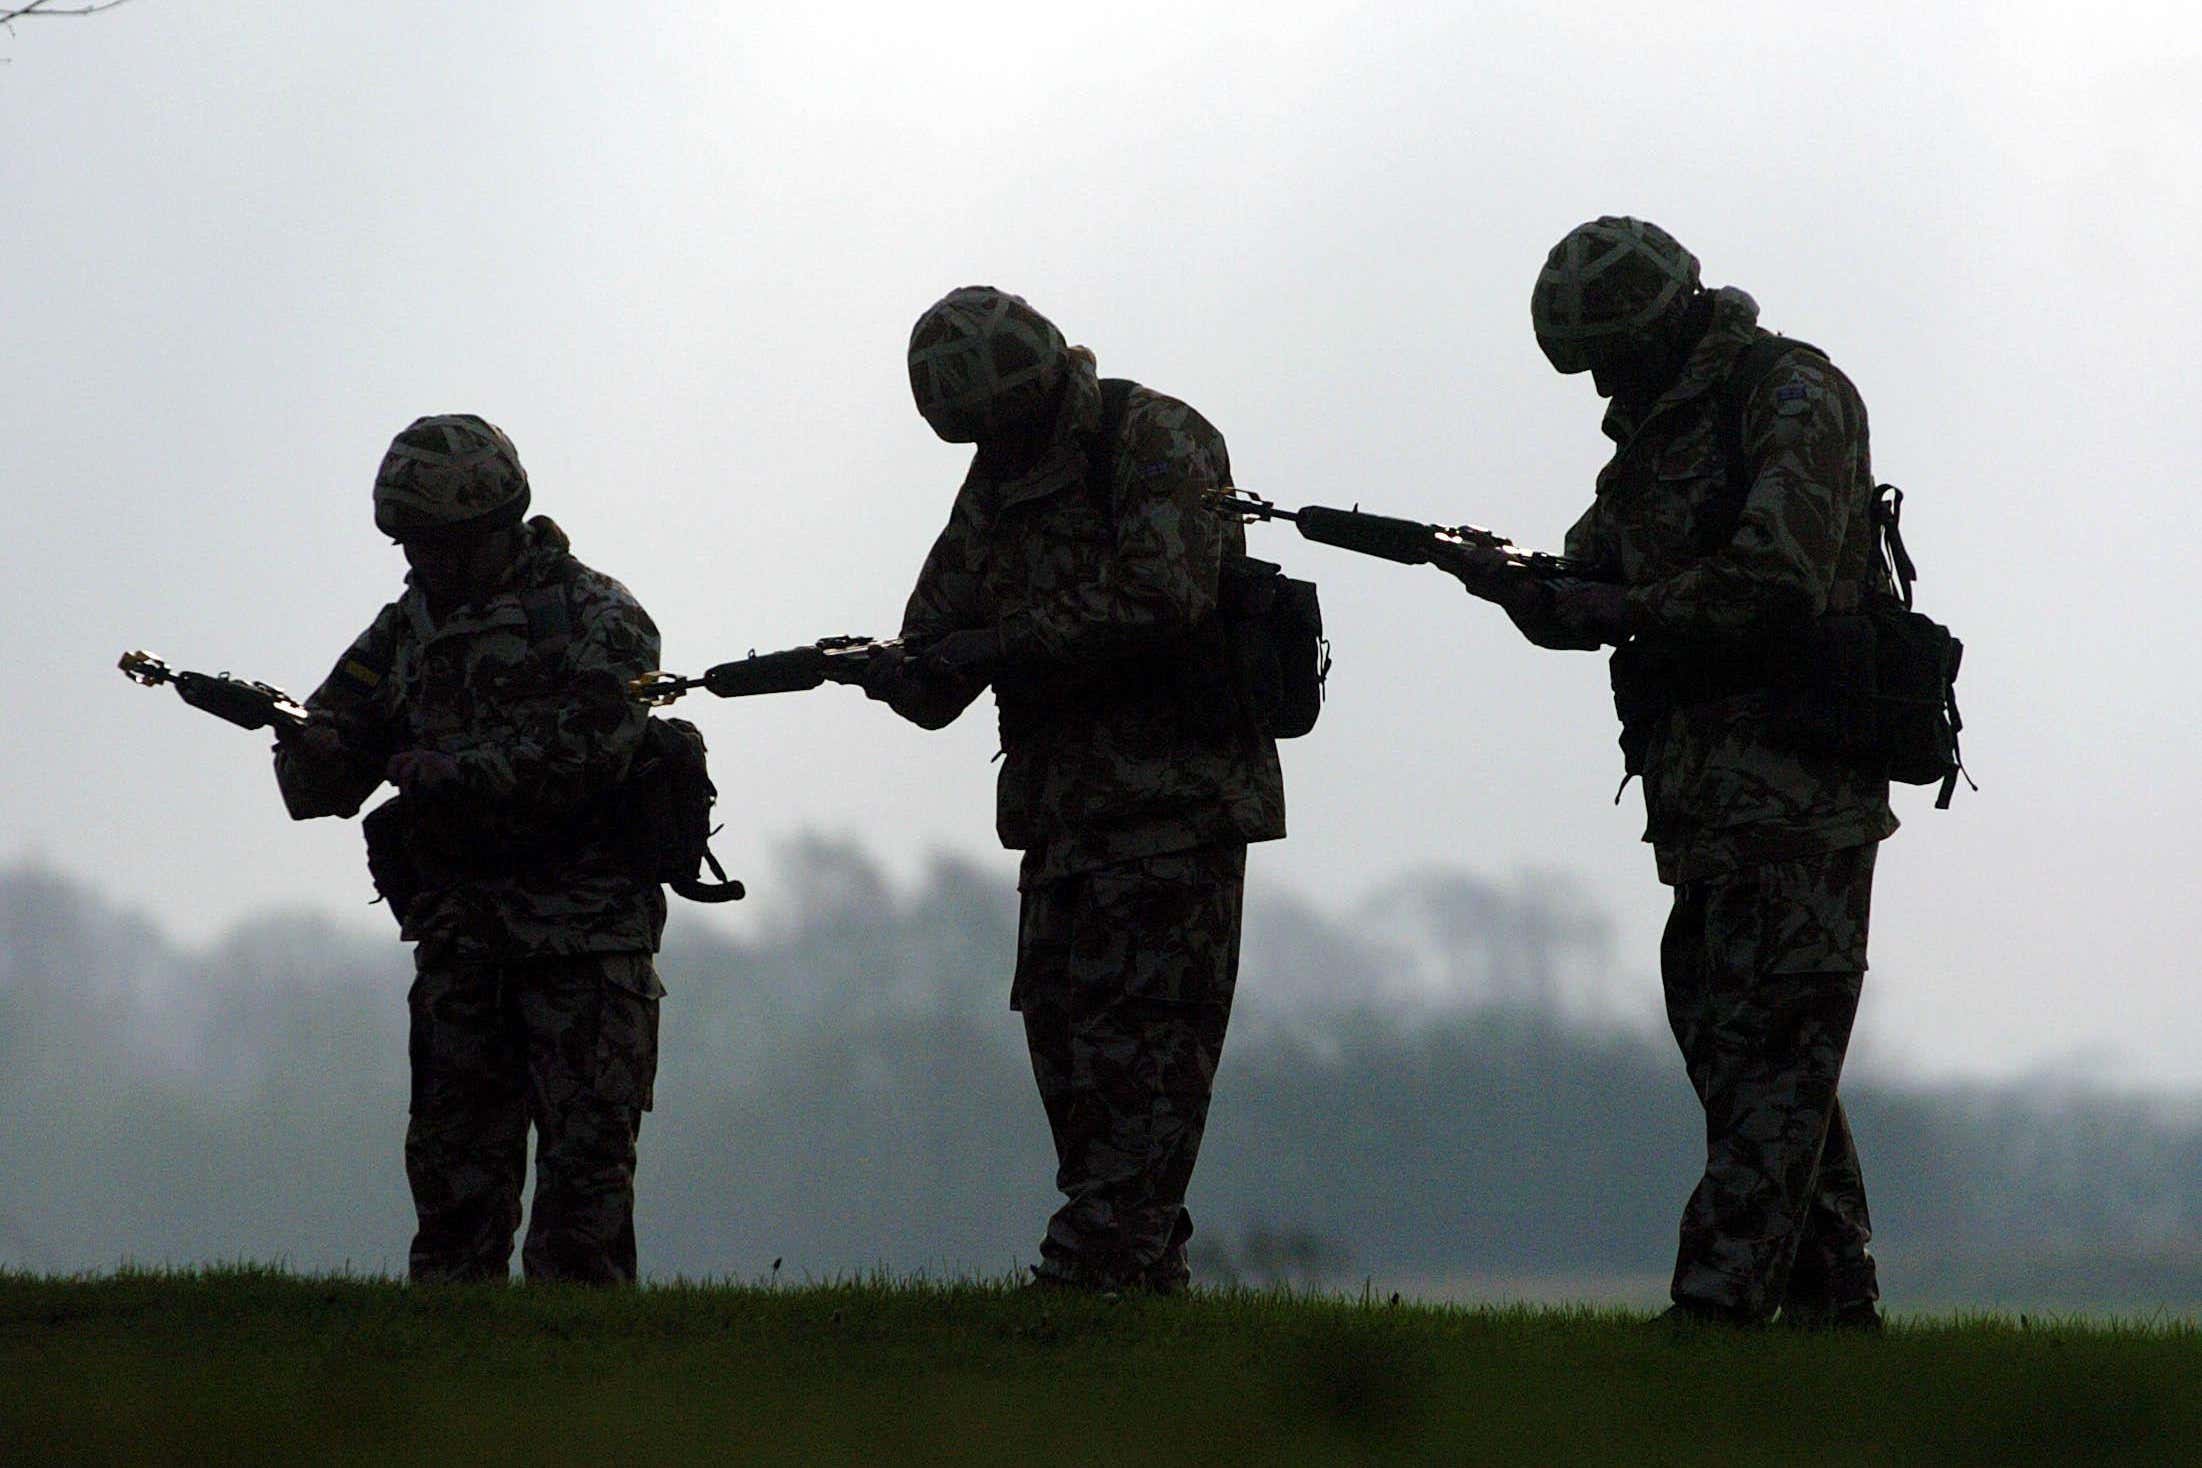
{"x": 848, "y": 1091}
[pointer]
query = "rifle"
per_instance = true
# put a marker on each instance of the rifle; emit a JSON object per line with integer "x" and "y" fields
{"x": 242, "y": 702}
{"x": 797, "y": 669}
{"x": 1409, "y": 542}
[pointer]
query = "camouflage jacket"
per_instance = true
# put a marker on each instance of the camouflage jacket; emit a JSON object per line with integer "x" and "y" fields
{"x": 539, "y": 726}
{"x": 1103, "y": 761}
{"x": 1717, "y": 793}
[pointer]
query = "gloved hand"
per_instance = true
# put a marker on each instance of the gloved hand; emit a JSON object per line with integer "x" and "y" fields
{"x": 971, "y": 653}
{"x": 422, "y": 772}
{"x": 1485, "y": 572}
{"x": 316, "y": 740}
{"x": 883, "y": 674}
{"x": 1592, "y": 609}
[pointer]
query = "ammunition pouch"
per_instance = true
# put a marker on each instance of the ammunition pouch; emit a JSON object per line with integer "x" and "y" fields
{"x": 409, "y": 856}
{"x": 1878, "y": 689}
{"x": 1873, "y": 688}
{"x": 1640, "y": 700}
{"x": 1821, "y": 700}
{"x": 1273, "y": 644}
{"x": 1916, "y": 659}
{"x": 1035, "y": 698}
{"x": 659, "y": 818}
{"x": 656, "y": 824}
{"x": 1256, "y": 665}
{"x": 1652, "y": 676}
{"x": 391, "y": 865}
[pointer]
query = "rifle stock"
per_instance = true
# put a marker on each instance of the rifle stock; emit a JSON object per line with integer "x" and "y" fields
{"x": 239, "y": 701}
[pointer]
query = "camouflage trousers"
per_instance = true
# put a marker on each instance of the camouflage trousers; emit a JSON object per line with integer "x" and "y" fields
{"x": 1762, "y": 968}
{"x": 569, "y": 1044}
{"x": 1124, "y": 977}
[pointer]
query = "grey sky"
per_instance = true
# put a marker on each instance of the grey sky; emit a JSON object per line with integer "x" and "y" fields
{"x": 675, "y": 250}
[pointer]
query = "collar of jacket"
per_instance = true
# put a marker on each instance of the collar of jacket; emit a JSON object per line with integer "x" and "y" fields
{"x": 1735, "y": 323}
{"x": 544, "y": 550}
{"x": 1063, "y": 463}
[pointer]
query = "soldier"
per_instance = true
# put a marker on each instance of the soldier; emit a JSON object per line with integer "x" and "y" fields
{"x": 492, "y": 694}
{"x": 1078, "y": 575}
{"x": 1736, "y": 510}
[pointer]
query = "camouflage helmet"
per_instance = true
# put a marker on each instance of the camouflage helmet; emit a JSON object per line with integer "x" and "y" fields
{"x": 980, "y": 360}
{"x": 453, "y": 471}
{"x": 1609, "y": 277}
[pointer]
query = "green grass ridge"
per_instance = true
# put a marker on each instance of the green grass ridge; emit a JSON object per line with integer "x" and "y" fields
{"x": 250, "y": 1365}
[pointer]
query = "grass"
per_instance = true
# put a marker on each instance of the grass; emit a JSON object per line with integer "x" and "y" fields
{"x": 252, "y": 1366}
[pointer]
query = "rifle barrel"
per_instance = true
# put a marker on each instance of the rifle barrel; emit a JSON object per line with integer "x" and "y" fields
{"x": 1409, "y": 542}
{"x": 793, "y": 671}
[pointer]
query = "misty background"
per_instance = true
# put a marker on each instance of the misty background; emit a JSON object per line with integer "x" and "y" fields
{"x": 675, "y": 251}
{"x": 850, "y": 1093}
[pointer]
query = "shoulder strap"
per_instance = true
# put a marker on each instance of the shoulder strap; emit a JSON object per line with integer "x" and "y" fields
{"x": 1106, "y": 443}
{"x": 550, "y": 616}
{"x": 1888, "y": 512}
{"x": 1752, "y": 366}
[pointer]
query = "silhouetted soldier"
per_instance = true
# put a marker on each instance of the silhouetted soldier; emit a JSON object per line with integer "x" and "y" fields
{"x": 493, "y": 695}
{"x": 1078, "y": 575}
{"x": 1736, "y": 510}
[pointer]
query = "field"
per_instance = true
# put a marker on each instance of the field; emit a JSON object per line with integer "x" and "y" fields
{"x": 247, "y": 1366}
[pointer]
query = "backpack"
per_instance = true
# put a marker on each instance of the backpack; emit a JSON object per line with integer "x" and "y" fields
{"x": 1878, "y": 685}
{"x": 1272, "y": 624}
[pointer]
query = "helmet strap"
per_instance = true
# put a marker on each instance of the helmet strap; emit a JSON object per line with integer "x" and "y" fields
{"x": 1657, "y": 352}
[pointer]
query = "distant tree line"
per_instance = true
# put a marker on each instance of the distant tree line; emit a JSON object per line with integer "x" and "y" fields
{"x": 847, "y": 1091}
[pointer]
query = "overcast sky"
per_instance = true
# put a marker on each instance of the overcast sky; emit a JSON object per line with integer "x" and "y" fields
{"x": 675, "y": 251}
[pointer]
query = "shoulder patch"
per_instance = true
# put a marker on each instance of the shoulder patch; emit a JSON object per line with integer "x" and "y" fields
{"x": 359, "y": 673}
{"x": 1154, "y": 470}
{"x": 1792, "y": 398}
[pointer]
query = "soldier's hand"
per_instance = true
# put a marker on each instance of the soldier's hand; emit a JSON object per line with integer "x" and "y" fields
{"x": 315, "y": 740}
{"x": 1484, "y": 571}
{"x": 882, "y": 674}
{"x": 971, "y": 653}
{"x": 1592, "y": 609}
{"x": 422, "y": 772}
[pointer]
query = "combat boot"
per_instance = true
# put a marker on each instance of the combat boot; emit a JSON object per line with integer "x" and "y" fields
{"x": 1858, "y": 1317}
{"x": 1702, "y": 1317}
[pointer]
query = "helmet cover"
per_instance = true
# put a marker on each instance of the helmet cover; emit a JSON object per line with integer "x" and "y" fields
{"x": 982, "y": 360}
{"x": 1612, "y": 276}
{"x": 452, "y": 471}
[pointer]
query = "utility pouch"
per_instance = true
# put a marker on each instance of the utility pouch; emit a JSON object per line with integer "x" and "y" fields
{"x": 1879, "y": 687}
{"x": 1825, "y": 699}
{"x": 391, "y": 865}
{"x": 1639, "y": 673}
{"x": 1653, "y": 675}
{"x": 1272, "y": 627}
{"x": 661, "y": 814}
{"x": 1294, "y": 623}
{"x": 1246, "y": 595}
{"x": 1917, "y": 660}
